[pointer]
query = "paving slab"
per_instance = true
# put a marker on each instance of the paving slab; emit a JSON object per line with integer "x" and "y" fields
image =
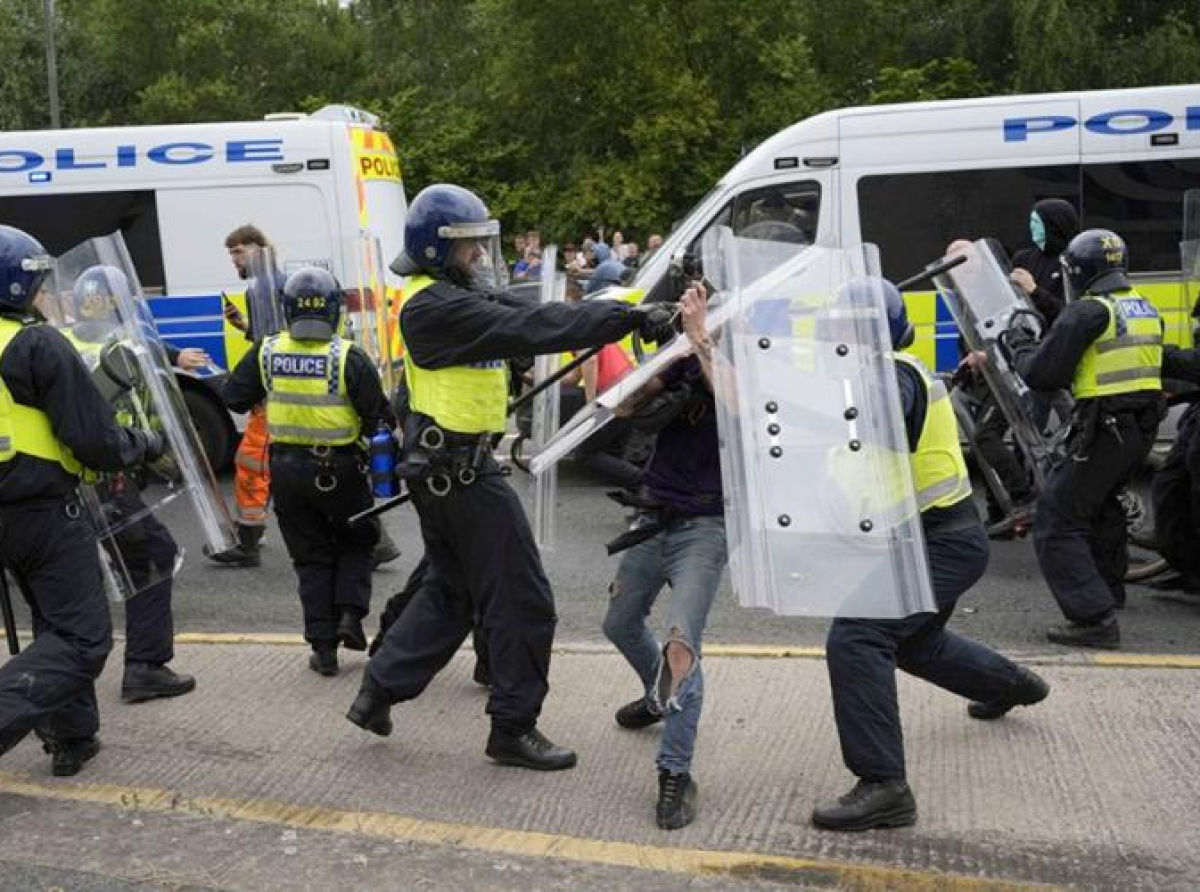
{"x": 1095, "y": 788}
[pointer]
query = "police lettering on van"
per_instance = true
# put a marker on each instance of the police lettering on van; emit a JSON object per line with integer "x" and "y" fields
{"x": 126, "y": 156}
{"x": 1119, "y": 122}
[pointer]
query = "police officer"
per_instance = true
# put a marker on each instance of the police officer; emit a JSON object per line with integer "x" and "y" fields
{"x": 863, "y": 654}
{"x": 147, "y": 547}
{"x": 457, "y": 331}
{"x": 53, "y": 422}
{"x": 1107, "y": 347}
{"x": 321, "y": 392}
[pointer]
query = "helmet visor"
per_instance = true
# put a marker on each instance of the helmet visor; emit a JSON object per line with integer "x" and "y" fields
{"x": 477, "y": 259}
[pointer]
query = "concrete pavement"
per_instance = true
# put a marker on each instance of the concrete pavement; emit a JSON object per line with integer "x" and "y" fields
{"x": 1096, "y": 788}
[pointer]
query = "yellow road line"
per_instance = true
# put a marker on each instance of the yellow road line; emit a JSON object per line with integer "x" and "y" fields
{"x": 520, "y": 843}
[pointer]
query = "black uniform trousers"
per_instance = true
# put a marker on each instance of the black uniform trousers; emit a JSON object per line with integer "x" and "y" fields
{"x": 149, "y": 553}
{"x": 51, "y": 549}
{"x": 1176, "y": 497}
{"x": 989, "y": 441}
{"x": 1080, "y": 535}
{"x": 863, "y": 654}
{"x": 482, "y": 562}
{"x": 332, "y": 559}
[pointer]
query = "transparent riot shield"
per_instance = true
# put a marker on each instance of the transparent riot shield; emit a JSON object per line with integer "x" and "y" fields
{"x": 820, "y": 513}
{"x": 264, "y": 293}
{"x": 364, "y": 280}
{"x": 1189, "y": 251}
{"x": 97, "y": 303}
{"x": 983, "y": 302}
{"x": 545, "y": 420}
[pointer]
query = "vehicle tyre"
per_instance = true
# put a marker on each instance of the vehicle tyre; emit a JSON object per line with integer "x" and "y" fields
{"x": 213, "y": 426}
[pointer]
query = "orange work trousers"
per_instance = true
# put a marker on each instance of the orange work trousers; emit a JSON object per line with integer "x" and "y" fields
{"x": 252, "y": 471}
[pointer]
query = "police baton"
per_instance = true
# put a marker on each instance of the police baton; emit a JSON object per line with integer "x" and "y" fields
{"x": 934, "y": 269}
{"x": 10, "y": 618}
{"x": 393, "y": 502}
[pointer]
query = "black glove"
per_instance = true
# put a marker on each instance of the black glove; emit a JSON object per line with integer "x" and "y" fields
{"x": 1023, "y": 333}
{"x": 154, "y": 445}
{"x": 656, "y": 322}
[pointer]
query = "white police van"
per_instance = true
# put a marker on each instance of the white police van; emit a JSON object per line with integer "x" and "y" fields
{"x": 311, "y": 183}
{"x": 911, "y": 178}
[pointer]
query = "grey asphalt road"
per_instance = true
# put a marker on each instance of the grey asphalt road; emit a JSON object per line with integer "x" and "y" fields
{"x": 1010, "y": 608}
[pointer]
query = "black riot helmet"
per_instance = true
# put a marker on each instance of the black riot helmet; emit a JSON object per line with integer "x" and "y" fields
{"x": 1096, "y": 260}
{"x": 312, "y": 304}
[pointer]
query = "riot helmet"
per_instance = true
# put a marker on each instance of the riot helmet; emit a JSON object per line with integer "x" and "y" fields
{"x": 1097, "y": 261}
{"x": 858, "y": 302}
{"x": 24, "y": 265}
{"x": 448, "y": 233}
{"x": 99, "y": 291}
{"x": 312, "y": 304}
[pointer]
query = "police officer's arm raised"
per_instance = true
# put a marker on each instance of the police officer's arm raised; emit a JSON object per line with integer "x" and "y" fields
{"x": 43, "y": 370}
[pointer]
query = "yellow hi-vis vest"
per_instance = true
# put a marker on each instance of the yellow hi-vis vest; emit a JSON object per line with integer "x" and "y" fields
{"x": 24, "y": 429}
{"x": 463, "y": 399}
{"x": 939, "y": 471}
{"x": 1127, "y": 357}
{"x": 307, "y": 401}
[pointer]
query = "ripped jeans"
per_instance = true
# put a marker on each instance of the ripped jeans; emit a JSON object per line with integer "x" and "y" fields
{"x": 690, "y": 556}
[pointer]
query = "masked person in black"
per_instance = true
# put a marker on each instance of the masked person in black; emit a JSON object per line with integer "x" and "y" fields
{"x": 321, "y": 393}
{"x": 1107, "y": 347}
{"x": 53, "y": 423}
{"x": 1037, "y": 272}
{"x": 457, "y": 331}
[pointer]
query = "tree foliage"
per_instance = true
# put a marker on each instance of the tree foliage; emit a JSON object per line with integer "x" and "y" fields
{"x": 568, "y": 116}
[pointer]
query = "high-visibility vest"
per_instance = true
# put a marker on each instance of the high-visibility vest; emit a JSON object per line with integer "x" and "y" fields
{"x": 1127, "y": 357}
{"x": 307, "y": 401}
{"x": 939, "y": 471}
{"x": 464, "y": 399}
{"x": 90, "y": 351}
{"x": 24, "y": 429}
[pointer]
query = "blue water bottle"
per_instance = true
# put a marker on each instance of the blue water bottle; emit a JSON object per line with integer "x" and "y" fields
{"x": 383, "y": 464}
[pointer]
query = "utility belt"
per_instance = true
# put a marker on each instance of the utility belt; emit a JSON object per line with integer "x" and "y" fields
{"x": 441, "y": 459}
{"x": 327, "y": 459}
{"x": 1093, "y": 417}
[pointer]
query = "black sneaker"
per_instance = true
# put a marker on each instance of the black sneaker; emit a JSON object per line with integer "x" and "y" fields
{"x": 324, "y": 661}
{"x": 69, "y": 756}
{"x": 481, "y": 675}
{"x": 1027, "y": 689}
{"x": 350, "y": 631}
{"x": 371, "y": 709}
{"x": 529, "y": 750}
{"x": 235, "y": 557}
{"x": 150, "y": 681}
{"x": 384, "y": 552}
{"x": 1104, "y": 635}
{"x": 637, "y": 715}
{"x": 676, "y": 800}
{"x": 886, "y": 803}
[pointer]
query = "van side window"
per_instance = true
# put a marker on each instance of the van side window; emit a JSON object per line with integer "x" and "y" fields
{"x": 784, "y": 212}
{"x": 60, "y": 222}
{"x": 1142, "y": 201}
{"x": 912, "y": 217}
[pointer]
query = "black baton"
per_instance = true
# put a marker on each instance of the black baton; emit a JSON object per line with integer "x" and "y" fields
{"x": 394, "y": 502}
{"x": 934, "y": 269}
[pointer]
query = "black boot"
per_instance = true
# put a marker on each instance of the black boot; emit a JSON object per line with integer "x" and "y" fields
{"x": 350, "y": 631}
{"x": 1105, "y": 634}
{"x": 150, "y": 681}
{"x": 886, "y": 803}
{"x": 371, "y": 709}
{"x": 1027, "y": 689}
{"x": 68, "y": 756}
{"x": 324, "y": 660}
{"x": 245, "y": 553}
{"x": 529, "y": 750}
{"x": 676, "y": 800}
{"x": 481, "y": 675}
{"x": 637, "y": 715}
{"x": 385, "y": 549}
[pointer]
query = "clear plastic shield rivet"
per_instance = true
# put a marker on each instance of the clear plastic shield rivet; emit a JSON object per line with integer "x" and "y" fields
{"x": 772, "y": 408}
{"x": 764, "y": 343}
{"x": 776, "y": 452}
{"x": 773, "y": 429}
{"x": 855, "y": 445}
{"x": 784, "y": 520}
{"x": 850, "y": 414}
{"x": 866, "y": 526}
{"x": 842, "y": 350}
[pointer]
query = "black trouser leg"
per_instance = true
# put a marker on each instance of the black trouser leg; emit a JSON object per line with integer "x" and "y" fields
{"x": 1080, "y": 534}
{"x": 989, "y": 440}
{"x": 354, "y": 545}
{"x": 149, "y": 625}
{"x": 50, "y": 685}
{"x": 1174, "y": 520}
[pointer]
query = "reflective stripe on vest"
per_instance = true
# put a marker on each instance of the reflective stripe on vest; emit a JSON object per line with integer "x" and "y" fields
{"x": 307, "y": 401}
{"x": 463, "y": 399}
{"x": 939, "y": 471}
{"x": 1127, "y": 357}
{"x": 24, "y": 429}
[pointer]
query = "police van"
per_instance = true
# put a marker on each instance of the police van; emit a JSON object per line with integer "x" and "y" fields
{"x": 912, "y": 178}
{"x": 312, "y": 183}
